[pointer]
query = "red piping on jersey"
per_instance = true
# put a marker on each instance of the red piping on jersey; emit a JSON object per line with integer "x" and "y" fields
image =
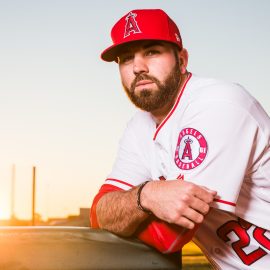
{"x": 173, "y": 108}
{"x": 225, "y": 202}
{"x": 119, "y": 181}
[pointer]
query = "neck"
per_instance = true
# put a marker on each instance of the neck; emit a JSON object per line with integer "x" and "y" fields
{"x": 160, "y": 114}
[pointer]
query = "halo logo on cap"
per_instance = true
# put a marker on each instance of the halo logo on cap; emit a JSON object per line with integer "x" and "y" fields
{"x": 131, "y": 25}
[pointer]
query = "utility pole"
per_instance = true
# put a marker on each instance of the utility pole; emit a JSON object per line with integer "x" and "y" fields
{"x": 12, "y": 204}
{"x": 34, "y": 196}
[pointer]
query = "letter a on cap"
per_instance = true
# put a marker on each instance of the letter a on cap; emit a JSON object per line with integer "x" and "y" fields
{"x": 131, "y": 25}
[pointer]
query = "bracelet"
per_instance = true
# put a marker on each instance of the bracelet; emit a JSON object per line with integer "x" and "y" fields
{"x": 139, "y": 198}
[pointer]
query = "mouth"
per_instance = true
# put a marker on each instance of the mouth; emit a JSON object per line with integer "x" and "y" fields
{"x": 143, "y": 84}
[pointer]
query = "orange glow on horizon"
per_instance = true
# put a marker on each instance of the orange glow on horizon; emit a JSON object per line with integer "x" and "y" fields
{"x": 4, "y": 213}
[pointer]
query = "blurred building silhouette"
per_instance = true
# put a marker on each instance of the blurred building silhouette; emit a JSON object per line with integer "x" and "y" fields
{"x": 81, "y": 220}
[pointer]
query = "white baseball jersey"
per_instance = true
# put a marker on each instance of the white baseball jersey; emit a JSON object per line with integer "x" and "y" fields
{"x": 218, "y": 136}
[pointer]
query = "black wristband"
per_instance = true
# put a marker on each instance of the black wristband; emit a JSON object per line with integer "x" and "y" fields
{"x": 139, "y": 198}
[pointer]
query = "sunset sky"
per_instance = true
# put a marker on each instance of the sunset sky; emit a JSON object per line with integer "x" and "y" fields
{"x": 63, "y": 110}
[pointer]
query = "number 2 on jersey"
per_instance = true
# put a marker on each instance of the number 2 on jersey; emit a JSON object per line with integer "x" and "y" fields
{"x": 240, "y": 228}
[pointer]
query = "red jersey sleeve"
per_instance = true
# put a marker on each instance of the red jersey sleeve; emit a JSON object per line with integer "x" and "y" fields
{"x": 167, "y": 238}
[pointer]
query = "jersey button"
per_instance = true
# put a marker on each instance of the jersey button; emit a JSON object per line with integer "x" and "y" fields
{"x": 159, "y": 146}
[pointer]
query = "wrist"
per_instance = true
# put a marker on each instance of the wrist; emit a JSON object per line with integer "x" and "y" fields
{"x": 141, "y": 198}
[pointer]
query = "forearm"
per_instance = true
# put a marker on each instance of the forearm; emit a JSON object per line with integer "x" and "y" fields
{"x": 176, "y": 202}
{"x": 117, "y": 212}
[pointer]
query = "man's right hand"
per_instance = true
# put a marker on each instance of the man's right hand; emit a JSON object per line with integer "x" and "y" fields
{"x": 178, "y": 202}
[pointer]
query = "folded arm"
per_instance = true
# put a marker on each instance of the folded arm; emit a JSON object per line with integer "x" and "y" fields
{"x": 175, "y": 202}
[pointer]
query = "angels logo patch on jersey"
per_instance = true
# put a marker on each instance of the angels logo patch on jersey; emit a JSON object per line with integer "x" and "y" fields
{"x": 191, "y": 149}
{"x": 131, "y": 25}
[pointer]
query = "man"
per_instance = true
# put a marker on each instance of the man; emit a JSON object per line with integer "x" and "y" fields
{"x": 196, "y": 144}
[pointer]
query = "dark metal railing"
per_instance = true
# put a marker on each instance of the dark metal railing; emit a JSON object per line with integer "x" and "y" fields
{"x": 77, "y": 248}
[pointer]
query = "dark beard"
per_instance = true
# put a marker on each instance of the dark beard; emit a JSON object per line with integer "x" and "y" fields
{"x": 148, "y": 100}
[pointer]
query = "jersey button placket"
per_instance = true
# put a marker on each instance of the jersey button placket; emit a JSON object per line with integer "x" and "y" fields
{"x": 161, "y": 158}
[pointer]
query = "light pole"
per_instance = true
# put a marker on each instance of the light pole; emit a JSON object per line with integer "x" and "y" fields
{"x": 34, "y": 196}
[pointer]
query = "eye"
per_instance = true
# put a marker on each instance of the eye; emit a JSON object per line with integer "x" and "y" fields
{"x": 152, "y": 52}
{"x": 125, "y": 58}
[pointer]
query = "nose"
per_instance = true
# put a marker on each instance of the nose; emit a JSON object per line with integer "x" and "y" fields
{"x": 139, "y": 64}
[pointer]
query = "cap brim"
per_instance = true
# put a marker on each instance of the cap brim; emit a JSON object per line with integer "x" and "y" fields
{"x": 111, "y": 53}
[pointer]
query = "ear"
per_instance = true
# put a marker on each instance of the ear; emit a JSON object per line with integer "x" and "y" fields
{"x": 183, "y": 57}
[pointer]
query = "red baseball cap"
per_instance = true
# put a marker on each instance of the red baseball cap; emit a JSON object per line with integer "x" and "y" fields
{"x": 142, "y": 24}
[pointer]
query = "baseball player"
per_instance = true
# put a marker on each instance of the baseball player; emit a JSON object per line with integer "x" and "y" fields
{"x": 194, "y": 161}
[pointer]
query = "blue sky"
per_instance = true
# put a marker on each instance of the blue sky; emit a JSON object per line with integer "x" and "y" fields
{"x": 63, "y": 110}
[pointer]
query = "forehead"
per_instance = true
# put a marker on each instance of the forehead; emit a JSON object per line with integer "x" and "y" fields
{"x": 141, "y": 45}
